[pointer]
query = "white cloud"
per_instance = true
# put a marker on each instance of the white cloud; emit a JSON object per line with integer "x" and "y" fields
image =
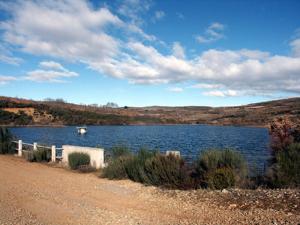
{"x": 10, "y": 59}
{"x": 133, "y": 9}
{"x": 52, "y": 65}
{"x": 135, "y": 29}
{"x": 175, "y": 89}
{"x": 213, "y": 33}
{"x": 242, "y": 70}
{"x": 66, "y": 29}
{"x": 7, "y": 57}
{"x": 218, "y": 93}
{"x": 295, "y": 45}
{"x": 178, "y": 50}
{"x": 206, "y": 86}
{"x": 6, "y": 79}
{"x": 54, "y": 73}
{"x": 158, "y": 15}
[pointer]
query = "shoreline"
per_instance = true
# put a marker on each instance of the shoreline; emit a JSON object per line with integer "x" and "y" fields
{"x": 138, "y": 124}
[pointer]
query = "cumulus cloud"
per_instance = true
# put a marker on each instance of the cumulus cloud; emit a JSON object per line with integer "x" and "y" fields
{"x": 10, "y": 59}
{"x": 178, "y": 50}
{"x": 175, "y": 89}
{"x": 134, "y": 9}
{"x": 6, "y": 79}
{"x": 218, "y": 93}
{"x": 206, "y": 86}
{"x": 7, "y": 57}
{"x": 51, "y": 72}
{"x": 52, "y": 65}
{"x": 213, "y": 33}
{"x": 295, "y": 45}
{"x": 66, "y": 29}
{"x": 237, "y": 70}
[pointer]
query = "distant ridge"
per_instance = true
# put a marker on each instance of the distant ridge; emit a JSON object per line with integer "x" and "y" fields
{"x": 16, "y": 111}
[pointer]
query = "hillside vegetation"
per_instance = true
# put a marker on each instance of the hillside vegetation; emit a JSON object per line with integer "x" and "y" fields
{"x": 15, "y": 111}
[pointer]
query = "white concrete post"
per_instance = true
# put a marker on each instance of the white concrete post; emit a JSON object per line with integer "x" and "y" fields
{"x": 34, "y": 146}
{"x": 53, "y": 153}
{"x": 20, "y": 148}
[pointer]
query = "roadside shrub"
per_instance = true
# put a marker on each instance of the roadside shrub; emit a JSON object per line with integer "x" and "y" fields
{"x": 168, "y": 171}
{"x": 286, "y": 171}
{"x": 40, "y": 155}
{"x": 78, "y": 159}
{"x": 221, "y": 178}
{"x": 284, "y": 165}
{"x": 116, "y": 152}
{"x": 126, "y": 165}
{"x": 116, "y": 168}
{"x": 210, "y": 162}
{"x": 281, "y": 133}
{"x": 6, "y": 138}
{"x": 28, "y": 155}
{"x": 135, "y": 168}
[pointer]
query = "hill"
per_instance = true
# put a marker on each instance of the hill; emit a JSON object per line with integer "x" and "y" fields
{"x": 14, "y": 111}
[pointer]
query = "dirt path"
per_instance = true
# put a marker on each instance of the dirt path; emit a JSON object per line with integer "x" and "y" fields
{"x": 32, "y": 193}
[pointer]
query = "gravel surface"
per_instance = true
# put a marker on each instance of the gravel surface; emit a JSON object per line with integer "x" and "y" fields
{"x": 32, "y": 193}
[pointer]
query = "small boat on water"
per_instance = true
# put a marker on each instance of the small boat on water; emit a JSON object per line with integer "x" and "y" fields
{"x": 81, "y": 130}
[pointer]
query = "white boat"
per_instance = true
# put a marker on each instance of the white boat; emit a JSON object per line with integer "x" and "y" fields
{"x": 81, "y": 130}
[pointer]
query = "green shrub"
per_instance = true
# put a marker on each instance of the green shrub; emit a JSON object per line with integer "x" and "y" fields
{"x": 135, "y": 168}
{"x": 77, "y": 159}
{"x": 118, "y": 151}
{"x": 168, "y": 171}
{"x": 116, "y": 168}
{"x": 286, "y": 171}
{"x": 6, "y": 138}
{"x": 28, "y": 155}
{"x": 40, "y": 155}
{"x": 221, "y": 178}
{"x": 209, "y": 163}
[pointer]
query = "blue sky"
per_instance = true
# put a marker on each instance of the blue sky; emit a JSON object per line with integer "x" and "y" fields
{"x": 146, "y": 52}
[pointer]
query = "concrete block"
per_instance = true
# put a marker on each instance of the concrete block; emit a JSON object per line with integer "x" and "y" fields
{"x": 96, "y": 154}
{"x": 176, "y": 153}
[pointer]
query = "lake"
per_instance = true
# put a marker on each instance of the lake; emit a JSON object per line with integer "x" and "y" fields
{"x": 252, "y": 142}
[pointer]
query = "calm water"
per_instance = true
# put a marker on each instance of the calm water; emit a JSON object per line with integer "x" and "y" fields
{"x": 189, "y": 139}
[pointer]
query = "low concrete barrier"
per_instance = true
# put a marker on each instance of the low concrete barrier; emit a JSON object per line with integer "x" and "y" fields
{"x": 96, "y": 154}
{"x": 173, "y": 152}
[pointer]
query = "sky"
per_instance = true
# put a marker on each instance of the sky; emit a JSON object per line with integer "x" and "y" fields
{"x": 147, "y": 52}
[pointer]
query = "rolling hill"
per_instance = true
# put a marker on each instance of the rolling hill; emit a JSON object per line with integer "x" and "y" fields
{"x": 15, "y": 112}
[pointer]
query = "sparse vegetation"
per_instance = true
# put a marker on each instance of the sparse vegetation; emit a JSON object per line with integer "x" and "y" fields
{"x": 39, "y": 155}
{"x": 57, "y": 111}
{"x": 221, "y": 178}
{"x": 6, "y": 138}
{"x": 284, "y": 166}
{"x": 116, "y": 168}
{"x": 20, "y": 118}
{"x": 216, "y": 168}
{"x": 78, "y": 159}
{"x": 168, "y": 171}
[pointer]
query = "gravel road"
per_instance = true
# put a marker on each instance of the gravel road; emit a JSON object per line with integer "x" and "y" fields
{"x": 32, "y": 193}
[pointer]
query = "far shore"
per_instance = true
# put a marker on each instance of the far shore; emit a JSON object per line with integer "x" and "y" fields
{"x": 138, "y": 124}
